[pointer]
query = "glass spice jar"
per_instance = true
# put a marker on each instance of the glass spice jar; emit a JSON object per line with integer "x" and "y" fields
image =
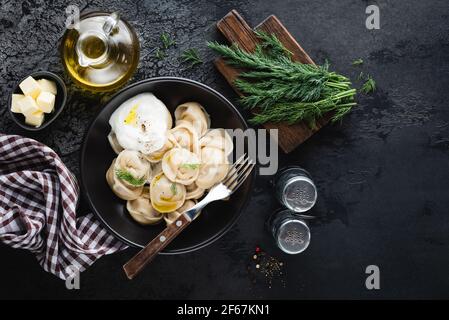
{"x": 295, "y": 189}
{"x": 291, "y": 233}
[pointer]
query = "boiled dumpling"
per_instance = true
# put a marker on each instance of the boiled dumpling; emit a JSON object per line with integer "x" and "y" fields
{"x": 214, "y": 167}
{"x": 181, "y": 166}
{"x": 122, "y": 190}
{"x": 172, "y": 216}
{"x": 156, "y": 156}
{"x": 166, "y": 196}
{"x": 185, "y": 136}
{"x": 127, "y": 174}
{"x": 218, "y": 138}
{"x": 114, "y": 143}
{"x": 142, "y": 211}
{"x": 132, "y": 168}
{"x": 193, "y": 191}
{"x": 194, "y": 113}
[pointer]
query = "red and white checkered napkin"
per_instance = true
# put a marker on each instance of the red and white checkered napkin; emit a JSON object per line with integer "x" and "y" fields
{"x": 38, "y": 197}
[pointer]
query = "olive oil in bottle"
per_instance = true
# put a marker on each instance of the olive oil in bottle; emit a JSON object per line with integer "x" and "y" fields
{"x": 102, "y": 53}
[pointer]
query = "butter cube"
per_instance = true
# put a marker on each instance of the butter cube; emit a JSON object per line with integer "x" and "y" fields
{"x": 30, "y": 87}
{"x": 14, "y": 102}
{"x": 47, "y": 86}
{"x": 28, "y": 105}
{"x": 35, "y": 119}
{"x": 46, "y": 101}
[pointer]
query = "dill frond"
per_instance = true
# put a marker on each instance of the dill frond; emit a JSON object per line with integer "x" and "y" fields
{"x": 285, "y": 90}
{"x": 191, "y": 56}
{"x": 369, "y": 85}
{"x": 128, "y": 177}
{"x": 166, "y": 40}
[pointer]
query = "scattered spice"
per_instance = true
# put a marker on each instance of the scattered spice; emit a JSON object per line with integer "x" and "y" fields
{"x": 266, "y": 266}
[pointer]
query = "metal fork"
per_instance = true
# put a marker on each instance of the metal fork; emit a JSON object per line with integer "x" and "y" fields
{"x": 237, "y": 174}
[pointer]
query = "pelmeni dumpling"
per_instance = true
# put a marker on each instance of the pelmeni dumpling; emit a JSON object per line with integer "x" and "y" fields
{"x": 122, "y": 190}
{"x": 165, "y": 195}
{"x": 156, "y": 156}
{"x": 194, "y": 113}
{"x": 193, "y": 191}
{"x": 172, "y": 216}
{"x": 214, "y": 167}
{"x": 114, "y": 143}
{"x": 218, "y": 138}
{"x": 181, "y": 166}
{"x": 132, "y": 168}
{"x": 185, "y": 136}
{"x": 143, "y": 212}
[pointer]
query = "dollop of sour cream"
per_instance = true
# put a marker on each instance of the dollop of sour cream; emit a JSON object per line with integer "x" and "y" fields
{"x": 141, "y": 123}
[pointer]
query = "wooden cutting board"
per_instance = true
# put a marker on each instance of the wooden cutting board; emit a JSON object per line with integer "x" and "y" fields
{"x": 235, "y": 29}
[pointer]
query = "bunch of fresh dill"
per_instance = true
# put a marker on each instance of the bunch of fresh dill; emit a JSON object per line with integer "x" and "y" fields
{"x": 284, "y": 90}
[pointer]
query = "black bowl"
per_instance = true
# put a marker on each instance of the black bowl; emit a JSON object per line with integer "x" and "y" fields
{"x": 60, "y": 100}
{"x": 97, "y": 156}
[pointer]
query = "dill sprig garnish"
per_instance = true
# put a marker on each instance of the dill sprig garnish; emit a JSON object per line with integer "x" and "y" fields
{"x": 357, "y": 62}
{"x": 191, "y": 56}
{"x": 166, "y": 40}
{"x": 173, "y": 189}
{"x": 360, "y": 76}
{"x": 160, "y": 54}
{"x": 128, "y": 177}
{"x": 192, "y": 166}
{"x": 284, "y": 90}
{"x": 369, "y": 85}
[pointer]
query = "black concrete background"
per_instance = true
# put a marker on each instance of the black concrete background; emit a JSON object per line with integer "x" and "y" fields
{"x": 382, "y": 174}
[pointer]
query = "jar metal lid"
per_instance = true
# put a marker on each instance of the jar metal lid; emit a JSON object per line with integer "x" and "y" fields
{"x": 305, "y": 199}
{"x": 293, "y": 236}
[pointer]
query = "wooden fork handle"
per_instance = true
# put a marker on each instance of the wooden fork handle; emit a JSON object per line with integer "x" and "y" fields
{"x": 141, "y": 259}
